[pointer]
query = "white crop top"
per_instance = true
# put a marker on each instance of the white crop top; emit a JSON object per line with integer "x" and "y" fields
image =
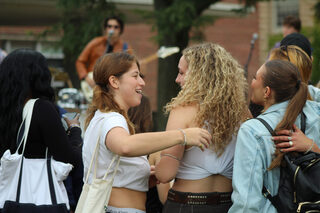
{"x": 133, "y": 172}
{"x": 196, "y": 164}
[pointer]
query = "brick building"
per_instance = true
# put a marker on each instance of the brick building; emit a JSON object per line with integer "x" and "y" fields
{"x": 232, "y": 30}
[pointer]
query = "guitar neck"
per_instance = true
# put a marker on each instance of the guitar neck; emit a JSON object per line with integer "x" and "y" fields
{"x": 149, "y": 58}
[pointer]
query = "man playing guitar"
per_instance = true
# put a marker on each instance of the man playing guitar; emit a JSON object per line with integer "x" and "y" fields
{"x": 110, "y": 42}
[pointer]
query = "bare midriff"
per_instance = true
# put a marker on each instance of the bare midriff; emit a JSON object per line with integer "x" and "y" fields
{"x": 213, "y": 183}
{"x": 127, "y": 198}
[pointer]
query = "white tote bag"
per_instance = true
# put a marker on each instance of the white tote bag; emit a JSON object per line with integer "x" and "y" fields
{"x": 95, "y": 197}
{"x": 34, "y": 181}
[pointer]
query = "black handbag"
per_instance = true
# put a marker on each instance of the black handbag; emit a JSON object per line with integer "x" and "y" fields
{"x": 16, "y": 207}
{"x": 299, "y": 184}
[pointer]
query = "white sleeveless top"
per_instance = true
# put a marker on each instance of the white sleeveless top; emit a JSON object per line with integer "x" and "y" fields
{"x": 133, "y": 172}
{"x": 196, "y": 164}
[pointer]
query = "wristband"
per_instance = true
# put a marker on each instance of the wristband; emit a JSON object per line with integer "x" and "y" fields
{"x": 74, "y": 125}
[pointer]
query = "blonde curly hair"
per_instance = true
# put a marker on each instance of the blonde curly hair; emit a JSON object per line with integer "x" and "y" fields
{"x": 216, "y": 83}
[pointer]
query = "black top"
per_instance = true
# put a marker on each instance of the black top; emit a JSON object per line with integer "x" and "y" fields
{"x": 46, "y": 130}
{"x": 153, "y": 204}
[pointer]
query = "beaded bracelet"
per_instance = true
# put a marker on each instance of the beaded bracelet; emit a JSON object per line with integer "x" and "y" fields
{"x": 310, "y": 148}
{"x": 184, "y": 137}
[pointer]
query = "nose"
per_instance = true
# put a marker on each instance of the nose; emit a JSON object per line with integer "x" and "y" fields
{"x": 141, "y": 82}
{"x": 177, "y": 79}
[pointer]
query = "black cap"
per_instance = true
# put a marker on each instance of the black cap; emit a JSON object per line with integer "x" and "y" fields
{"x": 299, "y": 40}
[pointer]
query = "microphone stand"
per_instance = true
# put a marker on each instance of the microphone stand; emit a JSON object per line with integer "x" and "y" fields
{"x": 109, "y": 47}
{"x": 249, "y": 58}
{"x": 255, "y": 109}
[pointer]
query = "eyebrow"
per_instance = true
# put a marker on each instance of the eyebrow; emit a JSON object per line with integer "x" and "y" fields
{"x": 136, "y": 72}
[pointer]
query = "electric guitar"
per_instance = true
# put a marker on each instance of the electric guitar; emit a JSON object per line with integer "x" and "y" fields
{"x": 163, "y": 52}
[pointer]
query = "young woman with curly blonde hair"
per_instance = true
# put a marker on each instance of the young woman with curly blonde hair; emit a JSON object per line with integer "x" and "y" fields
{"x": 212, "y": 97}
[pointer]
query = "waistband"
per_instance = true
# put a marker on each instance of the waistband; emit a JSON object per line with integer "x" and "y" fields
{"x": 207, "y": 198}
{"x": 112, "y": 209}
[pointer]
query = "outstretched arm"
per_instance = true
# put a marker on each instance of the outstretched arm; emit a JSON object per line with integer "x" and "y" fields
{"x": 119, "y": 141}
{"x": 167, "y": 168}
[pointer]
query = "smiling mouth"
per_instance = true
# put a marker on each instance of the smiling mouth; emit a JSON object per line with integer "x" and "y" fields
{"x": 139, "y": 91}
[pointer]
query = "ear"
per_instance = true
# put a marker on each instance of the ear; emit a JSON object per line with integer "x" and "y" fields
{"x": 114, "y": 82}
{"x": 267, "y": 92}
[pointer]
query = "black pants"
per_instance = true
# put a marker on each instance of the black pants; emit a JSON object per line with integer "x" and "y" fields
{"x": 176, "y": 207}
{"x": 173, "y": 207}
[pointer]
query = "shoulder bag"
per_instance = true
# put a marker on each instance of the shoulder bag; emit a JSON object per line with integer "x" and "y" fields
{"x": 32, "y": 185}
{"x": 95, "y": 197}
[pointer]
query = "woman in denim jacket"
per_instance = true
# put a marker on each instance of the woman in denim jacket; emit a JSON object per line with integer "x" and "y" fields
{"x": 278, "y": 87}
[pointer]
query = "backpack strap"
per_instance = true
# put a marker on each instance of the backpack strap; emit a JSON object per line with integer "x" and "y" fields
{"x": 265, "y": 123}
{"x": 303, "y": 122}
{"x": 266, "y": 193}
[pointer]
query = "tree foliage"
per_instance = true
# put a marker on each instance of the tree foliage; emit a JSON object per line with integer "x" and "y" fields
{"x": 81, "y": 21}
{"x": 173, "y": 21}
{"x": 315, "y": 78}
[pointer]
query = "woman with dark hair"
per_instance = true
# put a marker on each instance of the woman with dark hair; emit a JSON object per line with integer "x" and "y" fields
{"x": 303, "y": 61}
{"x": 278, "y": 87}
{"x": 119, "y": 87}
{"x": 141, "y": 117}
{"x": 24, "y": 75}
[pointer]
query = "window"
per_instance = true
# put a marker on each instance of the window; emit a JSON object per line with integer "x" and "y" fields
{"x": 282, "y": 9}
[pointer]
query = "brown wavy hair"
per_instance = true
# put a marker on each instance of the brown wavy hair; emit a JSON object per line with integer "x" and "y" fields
{"x": 141, "y": 116}
{"x": 284, "y": 79}
{"x": 216, "y": 83}
{"x": 113, "y": 64}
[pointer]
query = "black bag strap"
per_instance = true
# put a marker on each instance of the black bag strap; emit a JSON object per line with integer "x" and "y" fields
{"x": 265, "y": 191}
{"x": 302, "y": 123}
{"x": 50, "y": 180}
{"x": 51, "y": 186}
{"x": 265, "y": 123}
{"x": 19, "y": 181}
{"x": 268, "y": 195}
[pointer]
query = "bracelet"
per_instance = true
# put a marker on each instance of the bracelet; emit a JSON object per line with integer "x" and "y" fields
{"x": 171, "y": 156}
{"x": 310, "y": 148}
{"x": 184, "y": 137}
{"x": 73, "y": 125}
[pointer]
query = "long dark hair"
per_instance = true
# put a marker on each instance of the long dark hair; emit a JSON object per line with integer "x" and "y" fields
{"x": 141, "y": 116}
{"x": 24, "y": 74}
{"x": 115, "y": 64}
{"x": 284, "y": 79}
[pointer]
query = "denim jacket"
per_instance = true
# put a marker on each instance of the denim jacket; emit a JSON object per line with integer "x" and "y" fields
{"x": 314, "y": 92}
{"x": 253, "y": 155}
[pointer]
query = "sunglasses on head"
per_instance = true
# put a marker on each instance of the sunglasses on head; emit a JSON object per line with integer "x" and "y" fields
{"x": 285, "y": 48}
